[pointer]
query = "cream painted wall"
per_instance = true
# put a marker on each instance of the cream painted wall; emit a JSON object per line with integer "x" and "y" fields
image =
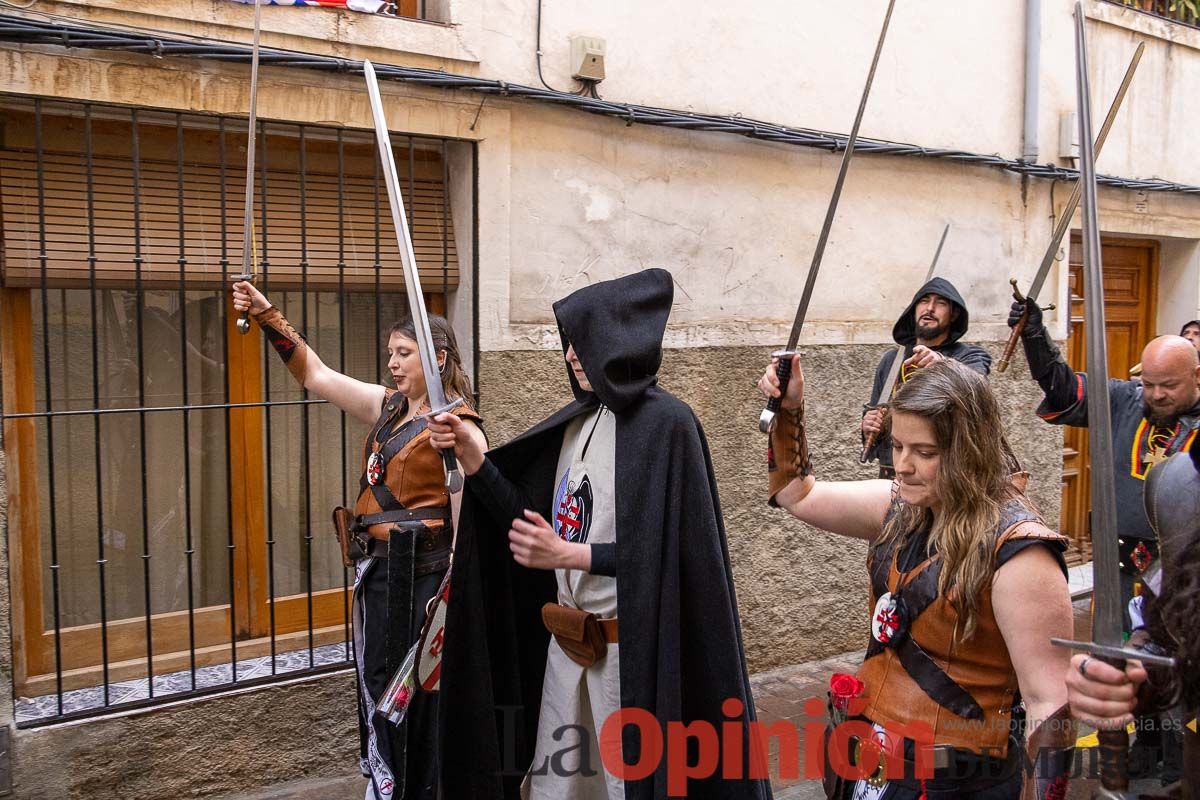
{"x": 1178, "y": 296}
{"x": 566, "y": 198}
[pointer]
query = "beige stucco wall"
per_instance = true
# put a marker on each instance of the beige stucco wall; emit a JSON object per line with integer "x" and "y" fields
{"x": 566, "y": 197}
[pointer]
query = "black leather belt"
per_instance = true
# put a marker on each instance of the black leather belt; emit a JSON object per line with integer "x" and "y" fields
{"x": 431, "y": 549}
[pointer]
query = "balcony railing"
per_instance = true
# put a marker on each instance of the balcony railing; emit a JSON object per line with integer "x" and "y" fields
{"x": 1185, "y": 12}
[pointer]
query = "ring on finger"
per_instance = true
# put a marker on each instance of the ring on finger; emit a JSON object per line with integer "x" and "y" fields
{"x": 1083, "y": 667}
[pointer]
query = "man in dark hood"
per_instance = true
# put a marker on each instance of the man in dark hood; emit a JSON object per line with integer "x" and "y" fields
{"x": 930, "y": 328}
{"x": 1191, "y": 332}
{"x": 610, "y": 508}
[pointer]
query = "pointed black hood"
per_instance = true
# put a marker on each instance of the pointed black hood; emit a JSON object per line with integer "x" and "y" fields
{"x": 905, "y": 330}
{"x": 617, "y": 329}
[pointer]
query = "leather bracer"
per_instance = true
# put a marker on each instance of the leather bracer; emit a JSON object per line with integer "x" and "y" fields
{"x": 787, "y": 455}
{"x": 1050, "y": 747}
{"x": 287, "y": 342}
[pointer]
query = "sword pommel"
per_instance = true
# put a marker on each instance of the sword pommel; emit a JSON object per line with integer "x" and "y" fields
{"x": 869, "y": 442}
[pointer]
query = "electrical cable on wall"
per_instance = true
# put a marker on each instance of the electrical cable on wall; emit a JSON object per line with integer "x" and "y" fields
{"x": 588, "y": 89}
{"x": 25, "y": 30}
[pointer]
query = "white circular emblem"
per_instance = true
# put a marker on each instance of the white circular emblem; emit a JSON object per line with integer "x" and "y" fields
{"x": 374, "y": 468}
{"x": 885, "y": 622}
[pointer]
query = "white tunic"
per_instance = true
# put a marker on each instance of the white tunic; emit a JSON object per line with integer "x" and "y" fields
{"x": 584, "y": 510}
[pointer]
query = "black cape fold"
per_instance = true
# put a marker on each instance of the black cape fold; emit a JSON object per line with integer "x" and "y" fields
{"x": 680, "y": 635}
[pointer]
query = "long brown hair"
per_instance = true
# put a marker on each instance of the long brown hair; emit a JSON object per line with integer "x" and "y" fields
{"x": 455, "y": 382}
{"x": 973, "y": 479}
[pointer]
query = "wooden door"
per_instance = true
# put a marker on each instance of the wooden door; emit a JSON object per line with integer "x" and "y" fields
{"x": 1130, "y": 291}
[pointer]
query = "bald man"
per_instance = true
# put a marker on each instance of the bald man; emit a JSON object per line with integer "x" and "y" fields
{"x": 1151, "y": 421}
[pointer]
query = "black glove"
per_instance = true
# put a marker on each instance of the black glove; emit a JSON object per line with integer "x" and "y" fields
{"x": 1034, "y": 321}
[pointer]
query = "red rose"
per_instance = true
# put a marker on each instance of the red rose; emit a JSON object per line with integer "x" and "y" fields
{"x": 1057, "y": 790}
{"x": 843, "y": 688}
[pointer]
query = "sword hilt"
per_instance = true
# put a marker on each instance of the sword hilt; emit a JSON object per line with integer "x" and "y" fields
{"x": 454, "y": 476}
{"x": 1015, "y": 336}
{"x": 243, "y": 322}
{"x": 783, "y": 371}
{"x": 871, "y": 438}
{"x": 1114, "y": 745}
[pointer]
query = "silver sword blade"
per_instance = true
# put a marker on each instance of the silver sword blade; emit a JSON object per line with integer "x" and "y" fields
{"x": 412, "y": 279}
{"x": 1068, "y": 212}
{"x": 937, "y": 254}
{"x": 248, "y": 265}
{"x": 1108, "y": 616}
{"x": 819, "y": 252}
{"x": 248, "y": 210}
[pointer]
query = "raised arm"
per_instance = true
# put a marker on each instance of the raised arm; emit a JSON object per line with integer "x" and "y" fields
{"x": 850, "y": 508}
{"x": 359, "y": 399}
{"x": 1061, "y": 386}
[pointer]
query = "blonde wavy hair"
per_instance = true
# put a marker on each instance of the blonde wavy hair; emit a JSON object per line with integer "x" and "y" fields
{"x": 973, "y": 480}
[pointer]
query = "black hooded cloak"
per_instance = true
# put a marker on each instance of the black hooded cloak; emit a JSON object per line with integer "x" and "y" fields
{"x": 905, "y": 332}
{"x": 680, "y": 635}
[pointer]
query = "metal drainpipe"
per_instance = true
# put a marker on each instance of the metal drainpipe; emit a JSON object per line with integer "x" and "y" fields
{"x": 1033, "y": 57}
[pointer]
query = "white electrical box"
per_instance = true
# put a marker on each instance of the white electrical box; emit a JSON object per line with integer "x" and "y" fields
{"x": 587, "y": 58}
{"x": 1068, "y": 135}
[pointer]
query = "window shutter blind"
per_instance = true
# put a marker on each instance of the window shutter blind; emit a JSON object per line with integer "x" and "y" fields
{"x": 351, "y": 219}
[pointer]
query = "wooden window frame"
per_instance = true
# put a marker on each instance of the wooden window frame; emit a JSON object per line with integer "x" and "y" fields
{"x": 45, "y": 660}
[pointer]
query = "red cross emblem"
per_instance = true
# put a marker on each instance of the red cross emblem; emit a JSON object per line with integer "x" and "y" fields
{"x": 569, "y": 516}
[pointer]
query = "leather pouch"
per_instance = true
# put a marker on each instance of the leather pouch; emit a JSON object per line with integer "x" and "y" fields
{"x": 349, "y": 544}
{"x": 577, "y": 632}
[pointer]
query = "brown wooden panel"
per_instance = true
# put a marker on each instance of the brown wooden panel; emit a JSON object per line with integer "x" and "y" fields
{"x": 178, "y": 660}
{"x": 81, "y": 646}
{"x": 20, "y": 447}
{"x": 291, "y": 613}
{"x": 248, "y": 489}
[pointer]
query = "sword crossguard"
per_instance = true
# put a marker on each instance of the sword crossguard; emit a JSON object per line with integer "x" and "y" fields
{"x": 1113, "y": 654}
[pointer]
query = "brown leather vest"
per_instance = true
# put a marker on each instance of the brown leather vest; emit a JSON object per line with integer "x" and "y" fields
{"x": 414, "y": 473}
{"x": 963, "y": 688}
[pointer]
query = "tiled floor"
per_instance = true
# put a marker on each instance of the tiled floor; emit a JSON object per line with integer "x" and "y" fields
{"x": 33, "y": 708}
